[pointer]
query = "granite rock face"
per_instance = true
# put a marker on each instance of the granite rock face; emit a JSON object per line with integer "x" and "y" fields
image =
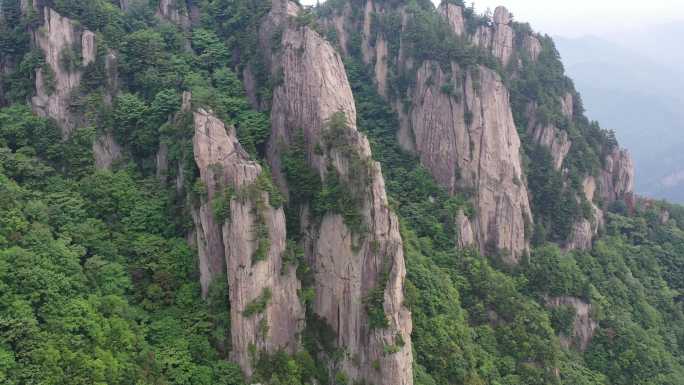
{"x": 583, "y": 327}
{"x": 460, "y": 124}
{"x": 467, "y": 139}
{"x": 547, "y": 135}
{"x": 532, "y": 46}
{"x": 498, "y": 38}
{"x": 585, "y": 230}
{"x": 106, "y": 151}
{"x": 59, "y": 39}
{"x": 347, "y": 267}
{"x": 617, "y": 176}
{"x": 250, "y": 242}
{"x": 466, "y": 237}
{"x": 454, "y": 15}
{"x": 555, "y": 140}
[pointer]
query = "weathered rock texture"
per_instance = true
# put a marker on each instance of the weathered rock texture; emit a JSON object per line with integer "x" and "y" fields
{"x": 224, "y": 166}
{"x": 465, "y": 230}
{"x": 499, "y": 37}
{"x": 106, "y": 151}
{"x": 59, "y": 38}
{"x": 532, "y": 46}
{"x": 347, "y": 267}
{"x": 468, "y": 140}
{"x": 585, "y": 230}
{"x": 454, "y": 15}
{"x": 57, "y": 83}
{"x": 459, "y": 123}
{"x": 617, "y": 176}
{"x": 547, "y": 135}
{"x": 583, "y": 327}
{"x": 374, "y": 46}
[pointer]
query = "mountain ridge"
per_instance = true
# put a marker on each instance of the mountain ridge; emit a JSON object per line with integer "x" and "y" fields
{"x": 364, "y": 192}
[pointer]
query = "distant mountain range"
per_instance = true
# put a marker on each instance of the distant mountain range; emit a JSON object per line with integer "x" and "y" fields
{"x": 633, "y": 84}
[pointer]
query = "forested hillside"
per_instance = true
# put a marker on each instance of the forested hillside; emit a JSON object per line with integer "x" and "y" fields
{"x": 373, "y": 192}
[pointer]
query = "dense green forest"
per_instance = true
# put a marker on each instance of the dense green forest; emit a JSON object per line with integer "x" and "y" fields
{"x": 99, "y": 285}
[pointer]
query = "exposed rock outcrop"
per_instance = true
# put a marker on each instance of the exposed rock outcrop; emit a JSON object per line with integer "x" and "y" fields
{"x": 498, "y": 37}
{"x": 547, "y": 135}
{"x": 467, "y": 139}
{"x": 347, "y": 267}
{"x": 555, "y": 140}
{"x": 106, "y": 151}
{"x": 583, "y": 326}
{"x": 582, "y": 236}
{"x": 68, "y": 49}
{"x": 460, "y": 124}
{"x": 454, "y": 15}
{"x": 532, "y": 46}
{"x": 585, "y": 229}
{"x": 466, "y": 237}
{"x": 266, "y": 313}
{"x": 112, "y": 71}
{"x": 374, "y": 42}
{"x": 374, "y": 48}
{"x": 617, "y": 176}
{"x": 59, "y": 39}
{"x": 174, "y": 11}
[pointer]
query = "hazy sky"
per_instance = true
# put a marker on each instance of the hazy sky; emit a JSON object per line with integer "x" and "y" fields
{"x": 584, "y": 17}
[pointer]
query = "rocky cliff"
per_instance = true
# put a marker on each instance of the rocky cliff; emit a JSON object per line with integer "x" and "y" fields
{"x": 245, "y": 241}
{"x": 454, "y": 15}
{"x": 350, "y": 268}
{"x": 585, "y": 230}
{"x": 549, "y": 136}
{"x": 67, "y": 48}
{"x": 504, "y": 42}
{"x": 617, "y": 176}
{"x": 483, "y": 143}
{"x": 497, "y": 37}
{"x": 583, "y": 325}
{"x": 467, "y": 139}
{"x": 458, "y": 121}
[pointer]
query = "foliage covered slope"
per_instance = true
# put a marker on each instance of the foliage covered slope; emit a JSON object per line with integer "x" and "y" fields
{"x": 98, "y": 284}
